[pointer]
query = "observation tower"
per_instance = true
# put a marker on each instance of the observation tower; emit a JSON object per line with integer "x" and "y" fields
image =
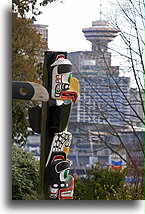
{"x": 100, "y": 34}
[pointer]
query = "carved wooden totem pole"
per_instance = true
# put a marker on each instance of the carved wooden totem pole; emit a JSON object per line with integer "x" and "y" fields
{"x": 58, "y": 92}
{"x": 63, "y": 90}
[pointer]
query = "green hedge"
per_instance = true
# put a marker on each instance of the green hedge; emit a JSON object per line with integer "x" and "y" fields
{"x": 25, "y": 176}
{"x": 104, "y": 184}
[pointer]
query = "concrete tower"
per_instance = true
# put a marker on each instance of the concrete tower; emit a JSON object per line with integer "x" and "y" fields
{"x": 100, "y": 34}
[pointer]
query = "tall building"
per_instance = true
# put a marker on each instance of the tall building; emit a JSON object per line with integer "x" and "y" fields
{"x": 43, "y": 30}
{"x": 137, "y": 112}
{"x": 104, "y": 92}
{"x": 103, "y": 99}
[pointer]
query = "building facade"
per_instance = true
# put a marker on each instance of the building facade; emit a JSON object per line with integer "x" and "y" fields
{"x": 103, "y": 101}
{"x": 103, "y": 90}
{"x": 103, "y": 95}
{"x": 137, "y": 110}
{"x": 43, "y": 31}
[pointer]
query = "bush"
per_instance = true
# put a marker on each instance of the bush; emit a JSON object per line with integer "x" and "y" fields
{"x": 102, "y": 184}
{"x": 25, "y": 176}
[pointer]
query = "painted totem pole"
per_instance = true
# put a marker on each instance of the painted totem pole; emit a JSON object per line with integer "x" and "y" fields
{"x": 57, "y": 94}
{"x": 63, "y": 90}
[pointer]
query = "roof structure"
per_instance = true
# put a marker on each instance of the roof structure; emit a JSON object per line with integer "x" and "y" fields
{"x": 100, "y": 33}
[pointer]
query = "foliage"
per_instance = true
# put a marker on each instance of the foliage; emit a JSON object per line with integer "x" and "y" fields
{"x": 24, "y": 175}
{"x": 25, "y": 6}
{"x": 26, "y": 49}
{"x": 103, "y": 184}
{"x": 20, "y": 123}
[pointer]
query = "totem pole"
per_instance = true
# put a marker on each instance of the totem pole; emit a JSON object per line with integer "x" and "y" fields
{"x": 63, "y": 90}
{"x": 57, "y": 94}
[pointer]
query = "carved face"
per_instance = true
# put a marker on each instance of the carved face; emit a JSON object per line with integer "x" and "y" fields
{"x": 63, "y": 193}
{"x": 60, "y": 183}
{"x": 61, "y": 75}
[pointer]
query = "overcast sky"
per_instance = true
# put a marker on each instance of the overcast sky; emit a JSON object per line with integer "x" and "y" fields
{"x": 66, "y": 21}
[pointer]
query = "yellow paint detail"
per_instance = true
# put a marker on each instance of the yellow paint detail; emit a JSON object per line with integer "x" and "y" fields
{"x": 66, "y": 150}
{"x": 74, "y": 85}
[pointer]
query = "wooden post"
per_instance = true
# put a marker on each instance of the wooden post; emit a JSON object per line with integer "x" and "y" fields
{"x": 46, "y": 133}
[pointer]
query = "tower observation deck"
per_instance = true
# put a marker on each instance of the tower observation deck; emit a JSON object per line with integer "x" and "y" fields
{"x": 100, "y": 34}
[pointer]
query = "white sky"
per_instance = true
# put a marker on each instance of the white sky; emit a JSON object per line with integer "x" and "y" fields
{"x": 66, "y": 21}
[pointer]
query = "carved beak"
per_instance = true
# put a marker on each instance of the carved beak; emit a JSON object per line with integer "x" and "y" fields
{"x": 73, "y": 93}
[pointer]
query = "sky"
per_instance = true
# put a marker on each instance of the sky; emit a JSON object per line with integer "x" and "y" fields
{"x": 66, "y": 20}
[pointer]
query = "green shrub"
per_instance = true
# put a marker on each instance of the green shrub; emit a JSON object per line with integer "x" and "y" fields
{"x": 25, "y": 176}
{"x": 103, "y": 184}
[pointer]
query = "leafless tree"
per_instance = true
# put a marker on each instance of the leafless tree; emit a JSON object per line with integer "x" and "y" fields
{"x": 128, "y": 18}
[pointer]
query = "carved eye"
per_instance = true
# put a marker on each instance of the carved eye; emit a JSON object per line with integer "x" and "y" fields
{"x": 64, "y": 175}
{"x": 64, "y": 86}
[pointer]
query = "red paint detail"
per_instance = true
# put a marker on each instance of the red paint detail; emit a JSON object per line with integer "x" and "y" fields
{"x": 69, "y": 189}
{"x": 60, "y": 56}
{"x": 58, "y": 78}
{"x": 53, "y": 194}
{"x": 69, "y": 95}
{"x": 58, "y": 157}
